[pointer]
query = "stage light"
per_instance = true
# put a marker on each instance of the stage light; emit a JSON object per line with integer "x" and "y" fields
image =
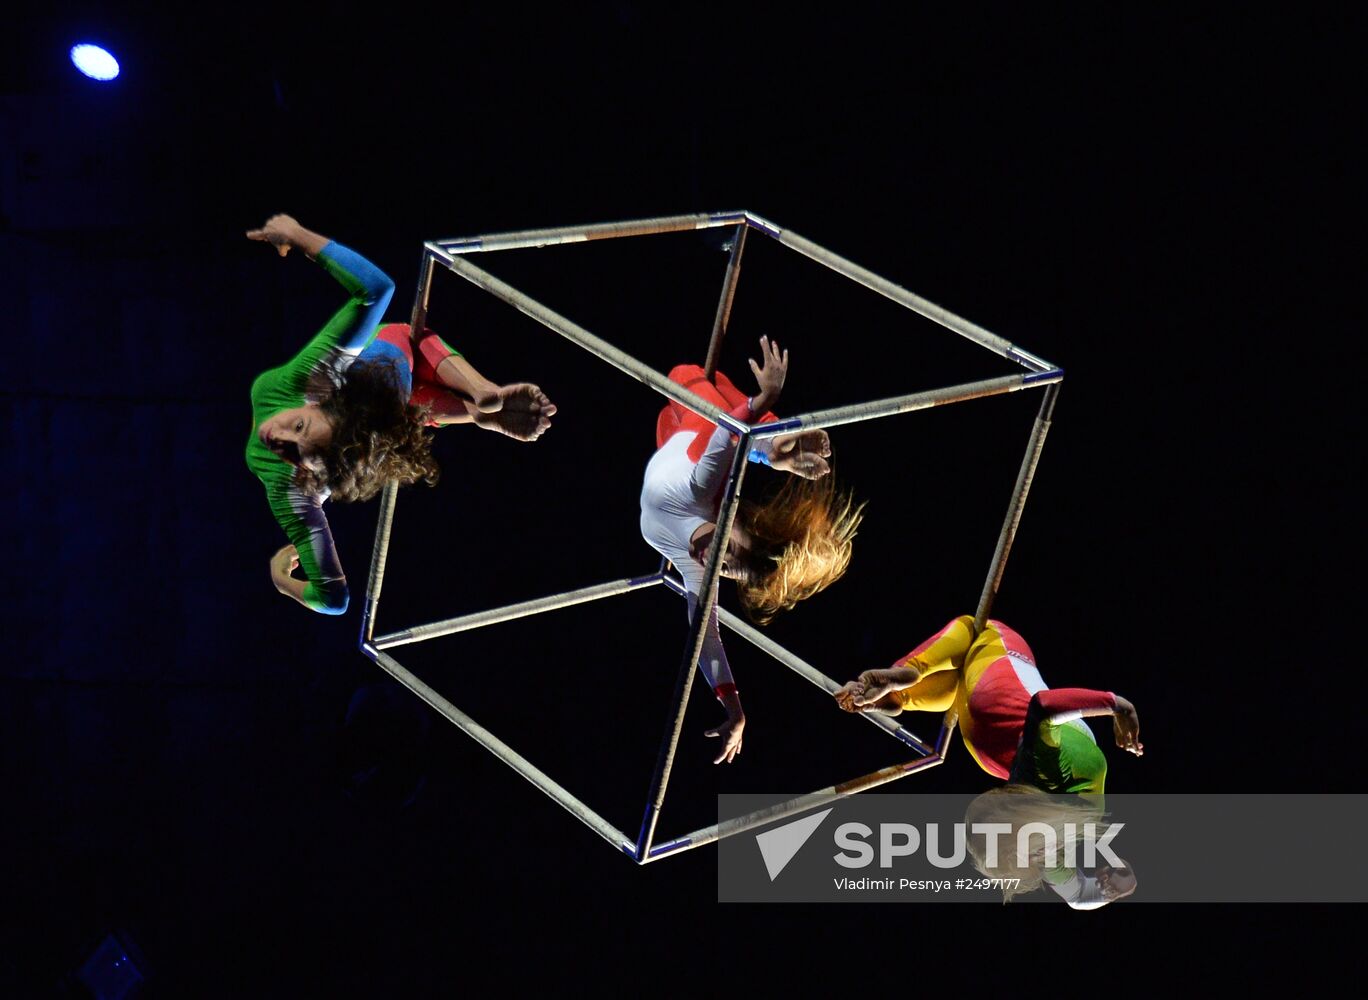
{"x": 94, "y": 62}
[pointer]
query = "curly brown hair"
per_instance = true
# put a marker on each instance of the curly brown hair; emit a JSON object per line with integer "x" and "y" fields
{"x": 806, "y": 531}
{"x": 376, "y": 435}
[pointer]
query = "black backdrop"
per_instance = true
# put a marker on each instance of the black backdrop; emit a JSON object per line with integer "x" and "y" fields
{"x": 1158, "y": 206}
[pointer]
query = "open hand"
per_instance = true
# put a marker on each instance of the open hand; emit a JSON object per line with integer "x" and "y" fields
{"x": 1126, "y": 727}
{"x": 730, "y": 734}
{"x": 770, "y": 373}
{"x": 279, "y": 231}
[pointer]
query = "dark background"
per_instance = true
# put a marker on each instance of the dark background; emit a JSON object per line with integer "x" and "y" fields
{"x": 1160, "y": 206}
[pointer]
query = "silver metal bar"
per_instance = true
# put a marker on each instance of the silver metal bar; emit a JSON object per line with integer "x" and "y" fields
{"x": 479, "y": 619}
{"x": 418, "y": 317}
{"x": 712, "y": 571}
{"x": 1032, "y": 361}
{"x": 814, "y": 676}
{"x": 379, "y": 554}
{"x": 595, "y": 345}
{"x": 500, "y": 750}
{"x": 771, "y": 814}
{"x": 902, "y": 404}
{"x": 886, "y": 288}
{"x": 799, "y": 666}
{"x": 1040, "y": 372}
{"x": 724, "y": 305}
{"x": 380, "y": 550}
{"x": 597, "y": 231}
{"x": 1013, "y": 519}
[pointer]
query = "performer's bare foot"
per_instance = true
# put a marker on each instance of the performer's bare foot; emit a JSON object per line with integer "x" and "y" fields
{"x": 816, "y": 442}
{"x": 523, "y": 412}
{"x": 490, "y": 401}
{"x": 803, "y": 453}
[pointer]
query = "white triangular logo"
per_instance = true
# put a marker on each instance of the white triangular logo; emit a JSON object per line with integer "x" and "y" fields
{"x": 779, "y": 846}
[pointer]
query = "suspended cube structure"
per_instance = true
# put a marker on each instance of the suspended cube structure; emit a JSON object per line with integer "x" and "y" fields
{"x": 645, "y": 846}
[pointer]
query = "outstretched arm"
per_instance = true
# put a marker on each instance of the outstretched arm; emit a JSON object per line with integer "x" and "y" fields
{"x": 770, "y": 373}
{"x": 285, "y": 234}
{"x": 369, "y": 292}
{"x": 712, "y": 662}
{"x": 1058, "y": 705}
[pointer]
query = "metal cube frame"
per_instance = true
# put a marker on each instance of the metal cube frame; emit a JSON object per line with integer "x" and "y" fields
{"x": 1036, "y": 373}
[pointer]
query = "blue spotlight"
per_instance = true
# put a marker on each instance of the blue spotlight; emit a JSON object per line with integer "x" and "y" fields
{"x": 94, "y": 62}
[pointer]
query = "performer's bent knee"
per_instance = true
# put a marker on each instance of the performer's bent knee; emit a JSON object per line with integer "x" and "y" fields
{"x": 432, "y": 351}
{"x": 443, "y": 406}
{"x": 684, "y": 374}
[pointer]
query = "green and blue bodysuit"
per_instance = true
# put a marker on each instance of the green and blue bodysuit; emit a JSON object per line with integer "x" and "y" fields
{"x": 298, "y": 511}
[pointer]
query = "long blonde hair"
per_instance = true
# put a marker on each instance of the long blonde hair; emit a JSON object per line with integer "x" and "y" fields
{"x": 808, "y": 528}
{"x": 1018, "y": 805}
